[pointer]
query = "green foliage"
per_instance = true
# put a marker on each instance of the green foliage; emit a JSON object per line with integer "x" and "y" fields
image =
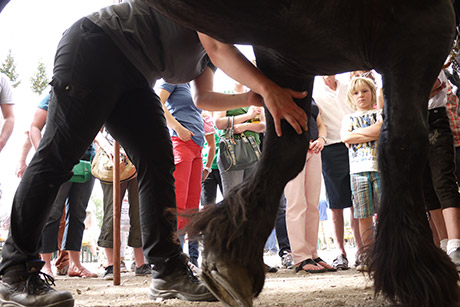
{"x": 9, "y": 69}
{"x": 39, "y": 82}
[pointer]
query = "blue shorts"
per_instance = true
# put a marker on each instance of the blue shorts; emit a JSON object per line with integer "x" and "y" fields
{"x": 366, "y": 191}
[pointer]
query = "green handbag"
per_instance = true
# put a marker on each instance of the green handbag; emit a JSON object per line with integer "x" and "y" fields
{"x": 81, "y": 172}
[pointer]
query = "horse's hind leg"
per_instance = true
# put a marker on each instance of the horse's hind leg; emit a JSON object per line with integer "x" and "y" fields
{"x": 407, "y": 267}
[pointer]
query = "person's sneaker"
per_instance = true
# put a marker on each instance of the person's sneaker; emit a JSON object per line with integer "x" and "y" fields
{"x": 194, "y": 261}
{"x": 341, "y": 262}
{"x": 143, "y": 270}
{"x": 123, "y": 268}
{"x": 25, "y": 285}
{"x": 133, "y": 266}
{"x": 173, "y": 278}
{"x": 108, "y": 274}
{"x": 362, "y": 268}
{"x": 287, "y": 260}
{"x": 455, "y": 257}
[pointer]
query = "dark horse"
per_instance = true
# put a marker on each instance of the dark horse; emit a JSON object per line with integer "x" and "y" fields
{"x": 294, "y": 40}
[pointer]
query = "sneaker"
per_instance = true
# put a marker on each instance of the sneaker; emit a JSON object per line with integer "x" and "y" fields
{"x": 133, "y": 266}
{"x": 108, "y": 274}
{"x": 123, "y": 268}
{"x": 143, "y": 270}
{"x": 173, "y": 278}
{"x": 194, "y": 261}
{"x": 341, "y": 262}
{"x": 287, "y": 261}
{"x": 455, "y": 257}
{"x": 25, "y": 285}
{"x": 362, "y": 268}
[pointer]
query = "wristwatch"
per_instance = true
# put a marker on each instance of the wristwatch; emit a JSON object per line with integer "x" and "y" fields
{"x": 207, "y": 169}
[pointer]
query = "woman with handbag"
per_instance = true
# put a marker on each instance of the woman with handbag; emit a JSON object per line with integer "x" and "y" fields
{"x": 251, "y": 122}
{"x": 74, "y": 198}
{"x": 103, "y": 170}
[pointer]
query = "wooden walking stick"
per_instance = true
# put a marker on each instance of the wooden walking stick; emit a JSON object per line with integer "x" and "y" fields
{"x": 116, "y": 214}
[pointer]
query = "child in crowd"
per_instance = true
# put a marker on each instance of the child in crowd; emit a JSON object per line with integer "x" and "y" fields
{"x": 360, "y": 131}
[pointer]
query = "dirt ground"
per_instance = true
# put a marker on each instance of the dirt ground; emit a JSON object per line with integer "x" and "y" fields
{"x": 284, "y": 288}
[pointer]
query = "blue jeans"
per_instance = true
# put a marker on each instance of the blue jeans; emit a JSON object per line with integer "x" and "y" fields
{"x": 74, "y": 196}
{"x": 95, "y": 84}
{"x": 231, "y": 179}
{"x": 281, "y": 230}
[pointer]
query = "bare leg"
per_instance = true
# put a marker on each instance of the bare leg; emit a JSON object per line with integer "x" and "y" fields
{"x": 109, "y": 254}
{"x": 452, "y": 221}
{"x": 337, "y": 221}
{"x": 47, "y": 267}
{"x": 357, "y": 233}
{"x": 440, "y": 226}
{"x": 139, "y": 256}
{"x": 436, "y": 239}
{"x": 366, "y": 230}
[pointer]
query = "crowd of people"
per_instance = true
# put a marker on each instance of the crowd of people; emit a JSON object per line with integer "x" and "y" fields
{"x": 104, "y": 78}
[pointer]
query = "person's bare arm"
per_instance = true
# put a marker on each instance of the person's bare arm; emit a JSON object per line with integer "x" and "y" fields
{"x": 211, "y": 152}
{"x": 363, "y": 135}
{"x": 38, "y": 122}
{"x": 317, "y": 145}
{"x": 22, "y": 165}
{"x": 279, "y": 101}
{"x": 253, "y": 126}
{"x": 8, "y": 124}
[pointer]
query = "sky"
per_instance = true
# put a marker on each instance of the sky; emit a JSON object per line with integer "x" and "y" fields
{"x": 31, "y": 29}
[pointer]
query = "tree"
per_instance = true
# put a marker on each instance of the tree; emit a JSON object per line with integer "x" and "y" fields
{"x": 39, "y": 81}
{"x": 9, "y": 69}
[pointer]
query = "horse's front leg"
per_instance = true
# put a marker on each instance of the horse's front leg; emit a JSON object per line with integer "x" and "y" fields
{"x": 235, "y": 230}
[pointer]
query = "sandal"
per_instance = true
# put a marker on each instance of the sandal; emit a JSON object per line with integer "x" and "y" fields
{"x": 324, "y": 264}
{"x": 76, "y": 272}
{"x": 309, "y": 261}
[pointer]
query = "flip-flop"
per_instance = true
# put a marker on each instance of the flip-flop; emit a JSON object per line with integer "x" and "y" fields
{"x": 324, "y": 264}
{"x": 309, "y": 261}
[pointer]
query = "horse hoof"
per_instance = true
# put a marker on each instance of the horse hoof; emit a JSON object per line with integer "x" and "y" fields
{"x": 229, "y": 282}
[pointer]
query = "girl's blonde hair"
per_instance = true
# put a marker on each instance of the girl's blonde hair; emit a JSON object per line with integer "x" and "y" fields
{"x": 358, "y": 82}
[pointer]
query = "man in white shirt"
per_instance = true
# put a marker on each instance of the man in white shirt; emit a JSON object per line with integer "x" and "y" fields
{"x": 331, "y": 97}
{"x": 6, "y": 105}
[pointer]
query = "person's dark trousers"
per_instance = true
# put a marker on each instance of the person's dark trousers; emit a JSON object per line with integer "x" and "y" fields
{"x": 75, "y": 197}
{"x": 440, "y": 189}
{"x": 93, "y": 84}
{"x": 209, "y": 188}
{"x": 281, "y": 230}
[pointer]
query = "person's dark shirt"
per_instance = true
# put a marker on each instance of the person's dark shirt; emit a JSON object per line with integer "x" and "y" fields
{"x": 157, "y": 46}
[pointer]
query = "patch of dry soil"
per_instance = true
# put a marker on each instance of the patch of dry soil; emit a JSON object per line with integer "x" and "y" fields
{"x": 284, "y": 288}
